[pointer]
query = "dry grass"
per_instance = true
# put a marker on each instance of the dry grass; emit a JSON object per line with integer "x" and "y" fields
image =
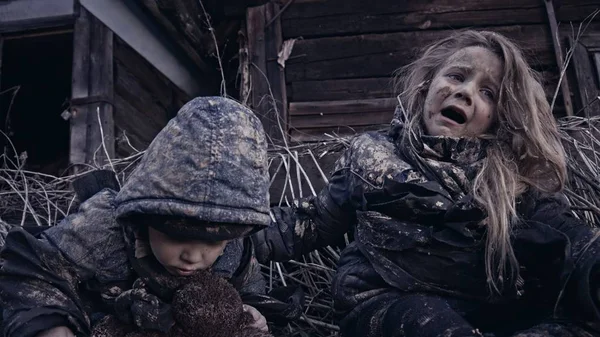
{"x": 46, "y": 199}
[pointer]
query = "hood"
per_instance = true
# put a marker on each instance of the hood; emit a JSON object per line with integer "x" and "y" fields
{"x": 208, "y": 164}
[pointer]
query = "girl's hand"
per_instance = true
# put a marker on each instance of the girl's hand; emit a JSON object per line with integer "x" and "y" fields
{"x": 260, "y": 322}
{"x": 59, "y": 331}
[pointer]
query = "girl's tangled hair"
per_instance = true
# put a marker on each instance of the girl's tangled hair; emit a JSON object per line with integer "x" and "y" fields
{"x": 527, "y": 152}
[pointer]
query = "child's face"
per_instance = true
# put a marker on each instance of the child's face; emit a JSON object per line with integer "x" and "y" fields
{"x": 183, "y": 258}
{"x": 462, "y": 98}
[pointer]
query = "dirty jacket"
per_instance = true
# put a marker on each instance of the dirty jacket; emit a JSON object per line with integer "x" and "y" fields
{"x": 413, "y": 235}
{"x": 209, "y": 163}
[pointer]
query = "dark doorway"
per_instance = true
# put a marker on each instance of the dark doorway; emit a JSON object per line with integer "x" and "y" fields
{"x": 36, "y": 86}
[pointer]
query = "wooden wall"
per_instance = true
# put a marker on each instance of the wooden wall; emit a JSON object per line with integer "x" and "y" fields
{"x": 338, "y": 76}
{"x": 144, "y": 100}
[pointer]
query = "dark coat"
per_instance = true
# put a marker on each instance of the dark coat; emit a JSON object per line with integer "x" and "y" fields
{"x": 413, "y": 238}
{"x": 209, "y": 163}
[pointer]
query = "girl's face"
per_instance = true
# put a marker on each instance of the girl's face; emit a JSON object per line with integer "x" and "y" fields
{"x": 462, "y": 97}
{"x": 183, "y": 258}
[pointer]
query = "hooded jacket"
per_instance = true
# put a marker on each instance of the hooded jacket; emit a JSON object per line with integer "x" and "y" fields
{"x": 415, "y": 235}
{"x": 208, "y": 164}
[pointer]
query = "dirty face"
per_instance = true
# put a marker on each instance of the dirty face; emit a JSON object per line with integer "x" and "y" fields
{"x": 463, "y": 96}
{"x": 183, "y": 258}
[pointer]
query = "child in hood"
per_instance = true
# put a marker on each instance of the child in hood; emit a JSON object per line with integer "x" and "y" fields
{"x": 199, "y": 191}
{"x": 459, "y": 222}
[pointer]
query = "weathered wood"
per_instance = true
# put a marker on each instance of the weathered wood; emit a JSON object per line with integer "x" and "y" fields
{"x": 263, "y": 92}
{"x": 575, "y": 10}
{"x": 564, "y": 85}
{"x": 339, "y": 17}
{"x": 131, "y": 24}
{"x": 342, "y": 107}
{"x": 378, "y": 55}
{"x": 129, "y": 124}
{"x": 379, "y": 87}
{"x": 80, "y": 87}
{"x": 275, "y": 72}
{"x": 324, "y": 8}
{"x": 320, "y": 134}
{"x": 152, "y": 80}
{"x": 341, "y": 113}
{"x": 145, "y": 99}
{"x": 100, "y": 121}
{"x": 584, "y": 74}
{"x": 150, "y": 109}
{"x": 359, "y": 88}
{"x": 414, "y": 17}
{"x": 22, "y": 15}
{"x": 92, "y": 140}
{"x": 154, "y": 10}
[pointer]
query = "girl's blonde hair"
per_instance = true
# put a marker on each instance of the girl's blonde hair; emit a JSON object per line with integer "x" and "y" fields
{"x": 526, "y": 153}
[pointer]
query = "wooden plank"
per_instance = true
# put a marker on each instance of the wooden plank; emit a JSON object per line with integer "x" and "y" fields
{"x": 136, "y": 129}
{"x": 28, "y": 14}
{"x": 339, "y": 17}
{"x": 80, "y": 87}
{"x": 155, "y": 111}
{"x": 342, "y": 107}
{"x": 92, "y": 139}
{"x": 564, "y": 85}
{"x": 358, "y": 118}
{"x": 341, "y": 113}
{"x": 357, "y": 88}
{"x": 378, "y": 55}
{"x": 584, "y": 75}
{"x": 324, "y": 8}
{"x": 320, "y": 134}
{"x": 575, "y": 10}
{"x": 100, "y": 119}
{"x": 261, "y": 98}
{"x": 415, "y": 17}
{"x": 275, "y": 74}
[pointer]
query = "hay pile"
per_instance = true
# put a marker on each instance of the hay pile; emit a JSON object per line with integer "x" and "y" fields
{"x": 35, "y": 198}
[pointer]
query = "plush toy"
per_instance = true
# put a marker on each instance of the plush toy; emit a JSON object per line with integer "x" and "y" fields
{"x": 206, "y": 306}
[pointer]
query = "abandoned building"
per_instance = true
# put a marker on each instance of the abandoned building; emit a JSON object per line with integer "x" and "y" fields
{"x": 69, "y": 66}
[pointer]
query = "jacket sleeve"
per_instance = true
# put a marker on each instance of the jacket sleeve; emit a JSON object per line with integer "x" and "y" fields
{"x": 40, "y": 278}
{"x": 582, "y": 274}
{"x": 312, "y": 222}
{"x": 248, "y": 279}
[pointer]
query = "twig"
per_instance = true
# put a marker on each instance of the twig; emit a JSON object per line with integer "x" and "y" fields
{"x": 218, "y": 54}
{"x": 288, "y": 4}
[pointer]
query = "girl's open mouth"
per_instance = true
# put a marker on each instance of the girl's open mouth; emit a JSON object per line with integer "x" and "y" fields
{"x": 454, "y": 114}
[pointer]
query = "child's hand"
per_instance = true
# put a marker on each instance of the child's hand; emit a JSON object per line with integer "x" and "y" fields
{"x": 260, "y": 322}
{"x": 59, "y": 331}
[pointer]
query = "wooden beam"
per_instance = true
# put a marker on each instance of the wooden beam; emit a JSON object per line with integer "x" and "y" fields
{"x": 564, "y": 85}
{"x": 92, "y": 125}
{"x": 33, "y": 14}
{"x": 267, "y": 78}
{"x": 588, "y": 91}
{"x": 80, "y": 88}
{"x": 275, "y": 73}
